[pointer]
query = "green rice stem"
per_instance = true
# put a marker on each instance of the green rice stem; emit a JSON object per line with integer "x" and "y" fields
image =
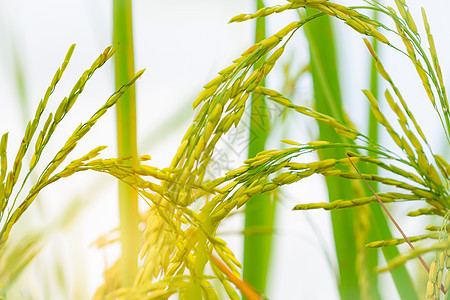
{"x": 126, "y": 137}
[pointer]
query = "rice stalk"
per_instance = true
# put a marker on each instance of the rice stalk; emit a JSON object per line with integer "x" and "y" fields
{"x": 126, "y": 137}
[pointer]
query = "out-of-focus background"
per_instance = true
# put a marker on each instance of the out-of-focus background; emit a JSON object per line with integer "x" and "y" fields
{"x": 182, "y": 44}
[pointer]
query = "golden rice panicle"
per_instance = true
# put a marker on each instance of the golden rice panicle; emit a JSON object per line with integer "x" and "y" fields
{"x": 32, "y": 125}
{"x": 228, "y": 258}
{"x": 404, "y": 12}
{"x": 29, "y": 133}
{"x": 447, "y": 274}
{"x": 406, "y": 174}
{"x": 379, "y": 66}
{"x": 76, "y": 165}
{"x": 435, "y": 275}
{"x": 78, "y": 88}
{"x": 167, "y": 247}
{"x": 65, "y": 105}
{"x": 340, "y": 128}
{"x": 429, "y": 72}
{"x": 419, "y": 162}
{"x": 156, "y": 249}
{"x": 223, "y": 103}
{"x": 418, "y": 65}
{"x": 51, "y": 88}
{"x": 44, "y": 178}
{"x": 385, "y": 123}
{"x": 351, "y": 17}
{"x": 83, "y": 129}
{"x": 431, "y": 291}
{"x": 443, "y": 166}
{"x": 38, "y": 146}
{"x": 412, "y": 254}
{"x": 266, "y": 11}
{"x": 3, "y": 171}
{"x": 247, "y": 59}
{"x": 385, "y": 75}
{"x": 381, "y": 70}
{"x": 154, "y": 258}
{"x": 208, "y": 290}
{"x": 231, "y": 292}
{"x": 395, "y": 242}
{"x": 422, "y": 161}
{"x": 442, "y": 258}
{"x": 436, "y": 228}
{"x": 339, "y": 204}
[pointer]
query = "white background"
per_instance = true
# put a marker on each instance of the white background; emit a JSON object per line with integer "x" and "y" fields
{"x": 182, "y": 44}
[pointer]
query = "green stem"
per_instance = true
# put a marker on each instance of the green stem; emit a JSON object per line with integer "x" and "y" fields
{"x": 259, "y": 211}
{"x": 126, "y": 137}
{"x": 328, "y": 101}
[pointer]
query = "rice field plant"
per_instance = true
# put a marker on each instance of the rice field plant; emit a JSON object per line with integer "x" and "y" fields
{"x": 180, "y": 251}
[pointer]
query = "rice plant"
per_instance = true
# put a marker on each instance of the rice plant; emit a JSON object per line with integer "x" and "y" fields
{"x": 15, "y": 199}
{"x": 126, "y": 136}
{"x": 223, "y": 101}
{"x": 180, "y": 252}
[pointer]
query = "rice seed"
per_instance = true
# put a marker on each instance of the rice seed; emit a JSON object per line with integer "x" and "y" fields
{"x": 442, "y": 165}
{"x": 3, "y": 158}
{"x": 395, "y": 242}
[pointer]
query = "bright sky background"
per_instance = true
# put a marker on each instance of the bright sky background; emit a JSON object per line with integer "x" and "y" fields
{"x": 182, "y": 44}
